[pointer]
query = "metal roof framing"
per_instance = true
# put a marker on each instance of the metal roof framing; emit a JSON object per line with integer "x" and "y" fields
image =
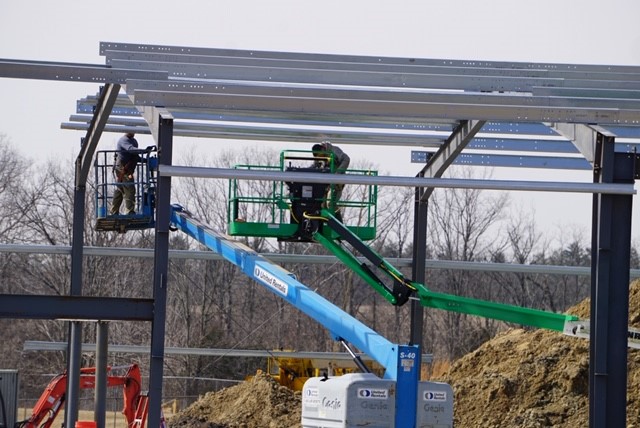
{"x": 470, "y": 112}
{"x": 286, "y": 96}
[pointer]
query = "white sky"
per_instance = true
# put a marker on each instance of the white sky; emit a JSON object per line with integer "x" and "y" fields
{"x": 567, "y": 31}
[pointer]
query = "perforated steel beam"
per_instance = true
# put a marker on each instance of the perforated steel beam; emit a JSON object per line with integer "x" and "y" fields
{"x": 272, "y": 87}
{"x": 107, "y": 46}
{"x": 246, "y": 59}
{"x": 340, "y": 77}
{"x": 262, "y": 132}
{"x": 283, "y": 106}
{"x": 511, "y": 161}
{"x": 124, "y": 107}
{"x": 69, "y": 72}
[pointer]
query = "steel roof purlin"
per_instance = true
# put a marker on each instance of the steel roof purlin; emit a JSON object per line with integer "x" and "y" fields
{"x": 44, "y": 70}
{"x": 355, "y": 99}
{"x": 105, "y": 47}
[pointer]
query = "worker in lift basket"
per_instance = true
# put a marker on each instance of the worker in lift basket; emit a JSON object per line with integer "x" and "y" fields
{"x": 124, "y": 166}
{"x": 340, "y": 160}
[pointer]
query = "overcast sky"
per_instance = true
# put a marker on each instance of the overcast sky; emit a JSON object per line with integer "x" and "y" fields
{"x": 566, "y": 31}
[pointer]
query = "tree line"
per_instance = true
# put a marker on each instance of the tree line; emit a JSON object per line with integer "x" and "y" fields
{"x": 211, "y": 304}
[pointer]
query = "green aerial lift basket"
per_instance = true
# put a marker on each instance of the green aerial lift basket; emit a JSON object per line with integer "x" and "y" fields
{"x": 285, "y": 211}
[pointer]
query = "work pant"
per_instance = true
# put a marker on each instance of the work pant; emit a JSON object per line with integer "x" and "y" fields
{"x": 125, "y": 190}
{"x": 338, "y": 188}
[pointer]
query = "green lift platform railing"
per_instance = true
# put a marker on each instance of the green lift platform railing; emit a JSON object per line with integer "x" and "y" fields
{"x": 278, "y": 209}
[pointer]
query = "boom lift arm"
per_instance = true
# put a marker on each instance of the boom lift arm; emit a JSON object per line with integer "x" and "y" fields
{"x": 400, "y": 361}
{"x": 399, "y": 293}
{"x": 402, "y": 288}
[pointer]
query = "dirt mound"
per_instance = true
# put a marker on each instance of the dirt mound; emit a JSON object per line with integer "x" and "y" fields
{"x": 258, "y": 403}
{"x": 531, "y": 379}
{"x": 524, "y": 379}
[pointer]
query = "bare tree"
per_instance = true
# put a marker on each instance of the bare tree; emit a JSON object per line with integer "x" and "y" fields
{"x": 15, "y": 179}
{"x": 562, "y": 291}
{"x": 523, "y": 240}
{"x": 395, "y": 226}
{"x": 460, "y": 228}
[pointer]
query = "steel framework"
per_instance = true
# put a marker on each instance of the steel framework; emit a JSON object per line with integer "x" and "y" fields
{"x": 569, "y": 115}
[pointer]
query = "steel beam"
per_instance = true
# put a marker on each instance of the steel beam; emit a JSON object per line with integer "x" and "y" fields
{"x": 107, "y": 99}
{"x": 75, "y": 308}
{"x": 362, "y": 136}
{"x": 124, "y": 107}
{"x": 270, "y": 87}
{"x": 447, "y": 153}
{"x": 306, "y": 259}
{"x": 100, "y": 393}
{"x": 68, "y": 72}
{"x": 418, "y": 266}
{"x": 611, "y": 254}
{"x": 262, "y": 132}
{"x": 284, "y": 106}
{"x": 107, "y": 46}
{"x": 84, "y": 161}
{"x": 308, "y": 177}
{"x": 184, "y": 60}
{"x": 339, "y": 77}
{"x": 582, "y": 136}
{"x": 163, "y": 123}
{"x": 604, "y": 92}
{"x": 511, "y": 161}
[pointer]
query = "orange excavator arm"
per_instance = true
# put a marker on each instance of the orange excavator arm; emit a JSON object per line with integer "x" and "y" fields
{"x": 52, "y": 399}
{"x": 132, "y": 387}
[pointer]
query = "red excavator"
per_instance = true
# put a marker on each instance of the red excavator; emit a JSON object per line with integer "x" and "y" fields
{"x": 52, "y": 399}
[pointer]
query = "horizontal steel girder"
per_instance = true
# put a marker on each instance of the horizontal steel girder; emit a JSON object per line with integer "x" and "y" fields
{"x": 306, "y": 259}
{"x": 283, "y": 106}
{"x": 511, "y": 161}
{"x": 215, "y": 129}
{"x": 200, "y": 63}
{"x": 277, "y": 89}
{"x": 106, "y": 47}
{"x": 36, "y": 345}
{"x": 69, "y": 72}
{"x": 306, "y": 177}
{"x": 75, "y": 308}
{"x": 124, "y": 107}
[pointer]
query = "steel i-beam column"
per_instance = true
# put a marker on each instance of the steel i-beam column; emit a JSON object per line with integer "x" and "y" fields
{"x": 611, "y": 251}
{"x": 160, "y": 268}
{"x": 108, "y": 96}
{"x": 419, "y": 263}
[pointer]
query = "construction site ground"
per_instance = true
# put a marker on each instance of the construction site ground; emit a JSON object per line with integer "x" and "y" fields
{"x": 521, "y": 378}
